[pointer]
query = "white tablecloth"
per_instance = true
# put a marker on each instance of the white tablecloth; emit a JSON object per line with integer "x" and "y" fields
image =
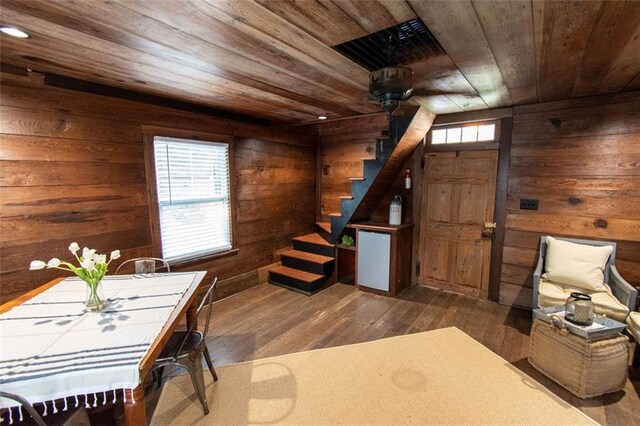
{"x": 50, "y": 348}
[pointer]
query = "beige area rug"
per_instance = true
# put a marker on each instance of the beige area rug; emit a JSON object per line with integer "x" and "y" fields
{"x": 437, "y": 377}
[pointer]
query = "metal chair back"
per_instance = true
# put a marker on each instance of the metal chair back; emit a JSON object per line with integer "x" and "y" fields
{"x": 157, "y": 260}
{"x": 27, "y": 406}
{"x": 206, "y": 302}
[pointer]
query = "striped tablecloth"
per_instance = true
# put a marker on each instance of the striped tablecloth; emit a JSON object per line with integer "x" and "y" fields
{"x": 50, "y": 348}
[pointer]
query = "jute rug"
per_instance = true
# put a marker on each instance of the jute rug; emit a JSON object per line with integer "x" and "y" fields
{"x": 437, "y": 377}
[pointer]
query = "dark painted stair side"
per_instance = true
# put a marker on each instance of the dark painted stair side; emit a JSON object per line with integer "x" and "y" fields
{"x": 309, "y": 262}
{"x": 314, "y": 243}
{"x": 303, "y": 281}
{"x": 324, "y": 229}
{"x": 404, "y": 134}
{"x": 309, "y": 267}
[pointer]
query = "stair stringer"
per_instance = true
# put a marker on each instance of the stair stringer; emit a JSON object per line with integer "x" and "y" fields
{"x": 406, "y": 132}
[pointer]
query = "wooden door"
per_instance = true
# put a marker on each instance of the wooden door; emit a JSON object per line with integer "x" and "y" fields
{"x": 456, "y": 221}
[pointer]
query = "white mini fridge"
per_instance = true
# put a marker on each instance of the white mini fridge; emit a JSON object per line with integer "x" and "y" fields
{"x": 374, "y": 257}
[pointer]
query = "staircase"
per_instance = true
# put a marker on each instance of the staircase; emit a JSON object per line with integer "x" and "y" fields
{"x": 392, "y": 150}
{"x": 310, "y": 266}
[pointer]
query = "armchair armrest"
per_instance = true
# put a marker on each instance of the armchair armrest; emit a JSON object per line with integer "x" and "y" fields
{"x": 623, "y": 291}
{"x": 536, "y": 279}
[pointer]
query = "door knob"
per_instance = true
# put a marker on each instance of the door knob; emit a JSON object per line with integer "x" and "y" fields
{"x": 487, "y": 230}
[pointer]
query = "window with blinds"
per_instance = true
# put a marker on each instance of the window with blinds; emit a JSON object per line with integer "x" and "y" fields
{"x": 193, "y": 196}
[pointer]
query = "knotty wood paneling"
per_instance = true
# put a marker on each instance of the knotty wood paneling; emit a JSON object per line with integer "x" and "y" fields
{"x": 580, "y": 159}
{"x": 459, "y": 30}
{"x": 344, "y": 144}
{"x": 72, "y": 168}
{"x": 606, "y": 66}
{"x": 508, "y": 27}
{"x": 560, "y": 36}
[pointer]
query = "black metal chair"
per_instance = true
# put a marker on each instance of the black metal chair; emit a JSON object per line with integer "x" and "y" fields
{"x": 76, "y": 417}
{"x": 185, "y": 349}
{"x": 26, "y": 405}
{"x": 158, "y": 264}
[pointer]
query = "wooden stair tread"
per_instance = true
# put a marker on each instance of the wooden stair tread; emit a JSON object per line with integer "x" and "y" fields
{"x": 335, "y": 214}
{"x": 356, "y": 178}
{"x": 346, "y": 197}
{"x": 326, "y": 226}
{"x": 311, "y": 257}
{"x": 313, "y": 239}
{"x": 297, "y": 274}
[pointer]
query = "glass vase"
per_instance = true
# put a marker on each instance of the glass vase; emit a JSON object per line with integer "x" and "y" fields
{"x": 94, "y": 297}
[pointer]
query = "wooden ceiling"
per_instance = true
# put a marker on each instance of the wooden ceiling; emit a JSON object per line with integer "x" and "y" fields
{"x": 274, "y": 59}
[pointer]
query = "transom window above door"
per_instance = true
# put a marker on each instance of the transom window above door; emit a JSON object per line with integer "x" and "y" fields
{"x": 463, "y": 133}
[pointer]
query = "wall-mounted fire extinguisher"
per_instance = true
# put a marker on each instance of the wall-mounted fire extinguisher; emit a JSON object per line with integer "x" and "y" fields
{"x": 407, "y": 178}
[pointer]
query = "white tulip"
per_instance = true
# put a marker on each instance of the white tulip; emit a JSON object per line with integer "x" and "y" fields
{"x": 53, "y": 263}
{"x": 115, "y": 254}
{"x": 89, "y": 265}
{"x": 88, "y": 254}
{"x": 74, "y": 247}
{"x": 100, "y": 258}
{"x": 37, "y": 264}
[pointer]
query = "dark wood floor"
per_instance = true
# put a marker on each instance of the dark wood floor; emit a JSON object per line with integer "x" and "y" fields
{"x": 268, "y": 320}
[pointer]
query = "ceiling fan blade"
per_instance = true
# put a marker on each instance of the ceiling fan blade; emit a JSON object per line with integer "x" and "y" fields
{"x": 426, "y": 92}
{"x": 397, "y": 112}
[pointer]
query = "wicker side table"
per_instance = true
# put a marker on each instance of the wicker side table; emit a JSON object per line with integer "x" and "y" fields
{"x": 586, "y": 368}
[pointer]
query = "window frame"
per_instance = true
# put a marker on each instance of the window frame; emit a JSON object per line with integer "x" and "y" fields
{"x": 464, "y": 146}
{"x": 149, "y": 133}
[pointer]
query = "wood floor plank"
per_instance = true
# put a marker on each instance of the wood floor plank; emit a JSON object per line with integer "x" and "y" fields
{"x": 399, "y": 318}
{"x": 225, "y": 322}
{"x": 449, "y": 313}
{"x": 465, "y": 312}
{"x": 325, "y": 338}
{"x": 482, "y": 317}
{"x": 303, "y": 335}
{"x": 373, "y": 311}
{"x": 436, "y": 308}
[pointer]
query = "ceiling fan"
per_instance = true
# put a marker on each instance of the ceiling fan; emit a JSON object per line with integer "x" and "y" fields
{"x": 387, "y": 55}
{"x": 392, "y": 84}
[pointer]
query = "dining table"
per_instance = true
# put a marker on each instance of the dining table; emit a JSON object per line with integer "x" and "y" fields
{"x": 55, "y": 352}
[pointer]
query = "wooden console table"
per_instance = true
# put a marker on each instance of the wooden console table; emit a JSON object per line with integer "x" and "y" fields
{"x": 399, "y": 260}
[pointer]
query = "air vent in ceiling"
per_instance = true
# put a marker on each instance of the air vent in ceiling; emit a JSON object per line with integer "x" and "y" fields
{"x": 402, "y": 44}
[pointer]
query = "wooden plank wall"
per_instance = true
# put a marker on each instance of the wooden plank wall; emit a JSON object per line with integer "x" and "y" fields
{"x": 344, "y": 144}
{"x": 581, "y": 159}
{"x": 72, "y": 169}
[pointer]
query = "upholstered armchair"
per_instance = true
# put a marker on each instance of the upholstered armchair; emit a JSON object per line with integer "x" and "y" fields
{"x": 633, "y": 327}
{"x": 569, "y": 265}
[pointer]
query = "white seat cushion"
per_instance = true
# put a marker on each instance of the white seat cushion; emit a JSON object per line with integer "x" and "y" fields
{"x": 552, "y": 294}
{"x": 577, "y": 265}
{"x": 633, "y": 325}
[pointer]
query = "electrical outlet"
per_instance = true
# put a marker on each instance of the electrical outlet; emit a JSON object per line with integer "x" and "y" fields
{"x": 527, "y": 204}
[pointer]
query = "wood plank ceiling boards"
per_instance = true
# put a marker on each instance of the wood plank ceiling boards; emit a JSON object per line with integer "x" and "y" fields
{"x": 275, "y": 59}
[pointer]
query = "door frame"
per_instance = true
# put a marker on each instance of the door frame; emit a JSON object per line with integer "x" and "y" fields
{"x": 503, "y": 144}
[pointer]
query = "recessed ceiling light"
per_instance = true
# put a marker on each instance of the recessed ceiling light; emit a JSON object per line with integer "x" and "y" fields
{"x": 322, "y": 117}
{"x": 14, "y": 32}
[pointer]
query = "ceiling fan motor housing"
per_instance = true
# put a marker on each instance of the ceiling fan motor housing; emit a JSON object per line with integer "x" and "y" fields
{"x": 391, "y": 84}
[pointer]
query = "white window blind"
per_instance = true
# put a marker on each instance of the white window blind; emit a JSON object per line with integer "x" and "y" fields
{"x": 193, "y": 197}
